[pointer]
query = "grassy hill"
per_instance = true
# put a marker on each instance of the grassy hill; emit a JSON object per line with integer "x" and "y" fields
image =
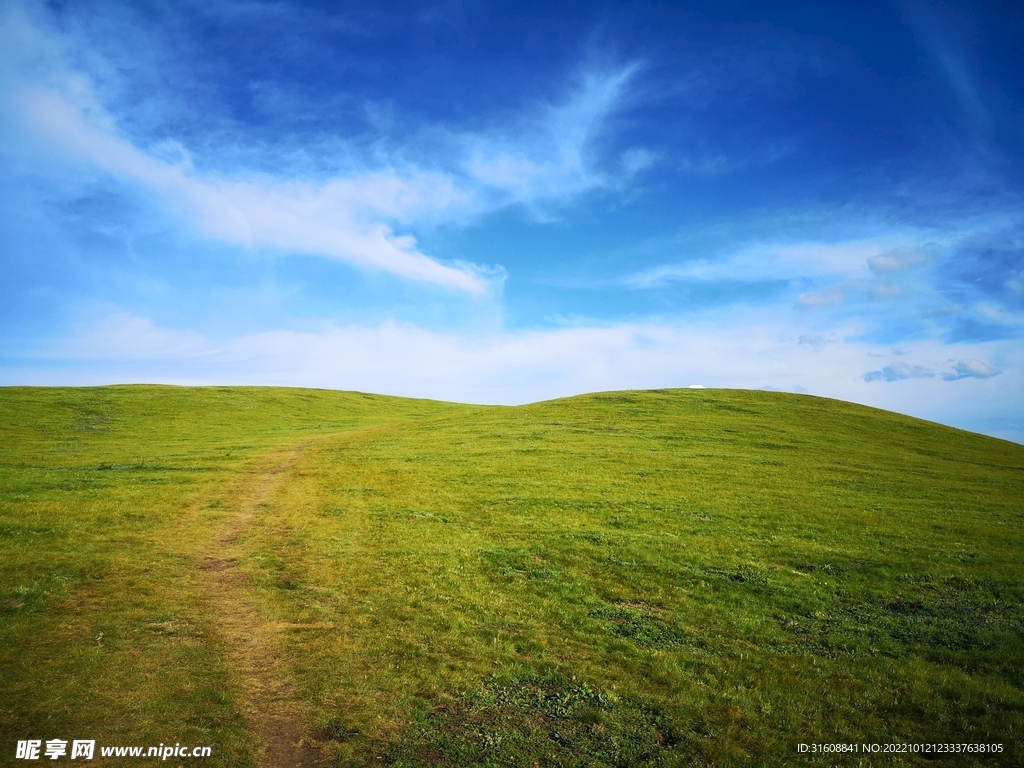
{"x": 672, "y": 577}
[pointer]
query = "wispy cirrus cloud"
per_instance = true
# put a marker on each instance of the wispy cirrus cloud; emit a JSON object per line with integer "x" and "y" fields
{"x": 847, "y": 259}
{"x": 344, "y": 218}
{"x": 827, "y": 298}
{"x": 902, "y": 258}
{"x": 546, "y": 160}
{"x": 357, "y": 217}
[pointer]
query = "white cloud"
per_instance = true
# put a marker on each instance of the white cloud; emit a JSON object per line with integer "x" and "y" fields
{"x": 946, "y": 311}
{"x": 814, "y": 340}
{"x": 124, "y": 336}
{"x": 840, "y": 258}
{"x": 997, "y": 314}
{"x": 546, "y": 159}
{"x": 828, "y": 297}
{"x": 964, "y": 369}
{"x": 780, "y": 261}
{"x": 356, "y": 217}
{"x": 344, "y": 218}
{"x": 970, "y": 369}
{"x": 636, "y": 159}
{"x": 900, "y": 259}
{"x": 899, "y": 372}
{"x": 526, "y": 366}
{"x": 1016, "y": 283}
{"x": 854, "y": 268}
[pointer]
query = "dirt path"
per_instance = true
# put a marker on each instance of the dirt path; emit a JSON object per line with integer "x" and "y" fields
{"x": 267, "y": 697}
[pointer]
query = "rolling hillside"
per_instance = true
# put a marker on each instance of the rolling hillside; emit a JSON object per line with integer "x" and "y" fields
{"x": 674, "y": 577}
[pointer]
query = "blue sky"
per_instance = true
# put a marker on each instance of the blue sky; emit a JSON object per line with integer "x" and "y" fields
{"x": 494, "y": 202}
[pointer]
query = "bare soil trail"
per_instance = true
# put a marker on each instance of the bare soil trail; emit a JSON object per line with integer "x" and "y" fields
{"x": 254, "y": 654}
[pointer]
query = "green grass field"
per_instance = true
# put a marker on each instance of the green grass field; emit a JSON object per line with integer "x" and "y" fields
{"x": 676, "y": 577}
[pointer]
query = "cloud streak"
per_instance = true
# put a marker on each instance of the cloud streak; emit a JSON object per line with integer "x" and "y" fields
{"x": 516, "y": 367}
{"x": 970, "y": 369}
{"x": 552, "y": 164}
{"x": 900, "y": 372}
{"x": 964, "y": 369}
{"x": 343, "y": 219}
{"x": 354, "y": 218}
